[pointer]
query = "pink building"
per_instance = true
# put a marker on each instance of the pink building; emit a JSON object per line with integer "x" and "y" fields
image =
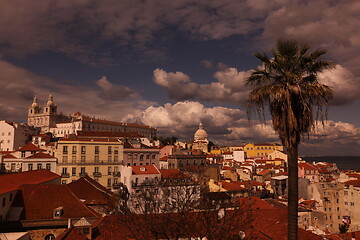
{"x": 306, "y": 170}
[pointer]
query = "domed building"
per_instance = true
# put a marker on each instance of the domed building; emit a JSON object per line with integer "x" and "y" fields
{"x": 201, "y": 139}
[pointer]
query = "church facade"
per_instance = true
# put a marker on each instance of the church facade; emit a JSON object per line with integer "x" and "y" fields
{"x": 201, "y": 141}
{"x": 48, "y": 120}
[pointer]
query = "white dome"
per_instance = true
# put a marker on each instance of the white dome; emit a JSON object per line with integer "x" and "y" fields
{"x": 200, "y": 134}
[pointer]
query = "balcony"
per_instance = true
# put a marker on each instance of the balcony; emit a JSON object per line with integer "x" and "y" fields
{"x": 97, "y": 174}
{"x": 116, "y": 174}
{"x": 65, "y": 175}
{"x": 83, "y": 174}
{"x": 116, "y": 185}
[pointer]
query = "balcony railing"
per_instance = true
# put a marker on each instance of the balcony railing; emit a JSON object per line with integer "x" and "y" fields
{"x": 97, "y": 174}
{"x": 116, "y": 185}
{"x": 116, "y": 174}
{"x": 65, "y": 175}
{"x": 83, "y": 174}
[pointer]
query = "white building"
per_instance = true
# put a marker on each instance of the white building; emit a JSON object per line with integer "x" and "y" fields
{"x": 15, "y": 135}
{"x": 29, "y": 157}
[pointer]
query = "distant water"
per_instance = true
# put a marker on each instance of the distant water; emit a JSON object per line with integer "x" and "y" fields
{"x": 342, "y": 162}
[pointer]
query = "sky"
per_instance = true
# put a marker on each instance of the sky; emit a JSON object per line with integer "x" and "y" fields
{"x": 174, "y": 64}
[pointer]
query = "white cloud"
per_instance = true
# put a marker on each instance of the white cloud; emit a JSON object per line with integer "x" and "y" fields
{"x": 345, "y": 85}
{"x": 229, "y": 88}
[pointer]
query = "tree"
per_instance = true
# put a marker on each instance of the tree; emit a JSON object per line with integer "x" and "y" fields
{"x": 288, "y": 84}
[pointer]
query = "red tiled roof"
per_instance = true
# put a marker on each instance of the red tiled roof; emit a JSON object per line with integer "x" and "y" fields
{"x": 40, "y": 201}
{"x": 9, "y": 156}
{"x": 307, "y": 166}
{"x": 172, "y": 173}
{"x": 145, "y": 169}
{"x": 253, "y": 203}
{"x": 232, "y": 186}
{"x": 90, "y": 191}
{"x": 264, "y": 172}
{"x": 72, "y": 233}
{"x": 75, "y": 139}
{"x": 165, "y": 158}
{"x": 40, "y": 155}
{"x": 12, "y": 181}
{"x": 108, "y": 134}
{"x": 252, "y": 183}
{"x": 30, "y": 147}
{"x": 344, "y": 236}
{"x": 355, "y": 183}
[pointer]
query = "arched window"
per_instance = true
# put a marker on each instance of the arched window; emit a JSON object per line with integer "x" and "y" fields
{"x": 50, "y": 237}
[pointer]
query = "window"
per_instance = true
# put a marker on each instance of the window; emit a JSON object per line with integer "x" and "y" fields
{"x": 116, "y": 169}
{"x": 82, "y": 170}
{"x": 135, "y": 156}
{"x": 73, "y": 171}
{"x": 73, "y": 149}
{"x": 83, "y": 149}
{"x": 352, "y": 204}
{"x": 147, "y": 156}
{"x": 109, "y": 182}
{"x": 63, "y": 182}
{"x": 97, "y": 150}
{"x": 12, "y": 166}
{"x": 96, "y": 169}
{"x": 345, "y": 192}
{"x": 116, "y": 150}
{"x": 109, "y": 170}
{"x": 39, "y": 166}
{"x": 96, "y": 159}
{"x": 30, "y": 166}
{"x": 64, "y": 170}
{"x": 65, "y": 159}
{"x": 22, "y": 154}
{"x": 141, "y": 157}
{"x": 73, "y": 159}
{"x": 48, "y": 166}
{"x": 346, "y": 203}
{"x": 116, "y": 159}
{"x": 153, "y": 156}
{"x": 82, "y": 159}
{"x": 49, "y": 237}
{"x": 116, "y": 180}
{"x": 65, "y": 149}
{"x": 109, "y": 159}
{"x": 109, "y": 150}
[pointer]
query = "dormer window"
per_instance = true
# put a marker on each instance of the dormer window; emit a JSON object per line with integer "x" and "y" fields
{"x": 58, "y": 212}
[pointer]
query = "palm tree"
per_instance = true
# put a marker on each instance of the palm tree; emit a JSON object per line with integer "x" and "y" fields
{"x": 288, "y": 84}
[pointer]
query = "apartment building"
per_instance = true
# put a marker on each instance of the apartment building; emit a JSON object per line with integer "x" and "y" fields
{"x": 98, "y": 158}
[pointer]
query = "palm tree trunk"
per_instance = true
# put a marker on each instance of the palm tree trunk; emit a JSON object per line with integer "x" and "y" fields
{"x": 293, "y": 193}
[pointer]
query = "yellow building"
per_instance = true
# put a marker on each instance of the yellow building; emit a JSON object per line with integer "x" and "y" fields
{"x": 261, "y": 149}
{"x": 99, "y": 158}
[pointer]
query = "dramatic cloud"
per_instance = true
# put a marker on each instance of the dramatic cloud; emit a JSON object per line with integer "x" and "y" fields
{"x": 230, "y": 87}
{"x": 20, "y": 85}
{"x": 345, "y": 85}
{"x": 115, "y": 91}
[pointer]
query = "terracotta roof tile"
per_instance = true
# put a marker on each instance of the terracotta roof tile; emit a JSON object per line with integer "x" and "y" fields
{"x": 145, "y": 169}
{"x": 72, "y": 233}
{"x": 30, "y": 147}
{"x": 9, "y": 156}
{"x": 40, "y": 201}
{"x": 14, "y": 180}
{"x": 90, "y": 191}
